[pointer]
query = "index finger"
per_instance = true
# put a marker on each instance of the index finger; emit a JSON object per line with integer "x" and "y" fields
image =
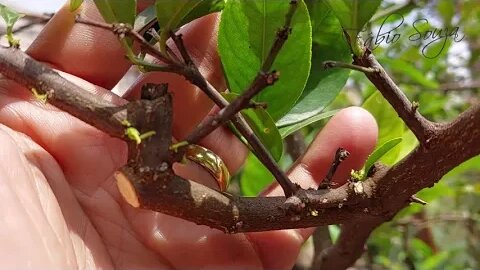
{"x": 91, "y": 53}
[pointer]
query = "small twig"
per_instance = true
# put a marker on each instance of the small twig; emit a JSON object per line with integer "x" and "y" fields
{"x": 241, "y": 102}
{"x": 435, "y": 219}
{"x": 419, "y": 125}
{"x": 257, "y": 105}
{"x": 33, "y": 20}
{"x": 460, "y": 86}
{"x": 157, "y": 38}
{"x": 282, "y": 36}
{"x": 336, "y": 64}
{"x": 340, "y": 156}
{"x": 178, "y": 40}
{"x": 128, "y": 30}
{"x": 263, "y": 79}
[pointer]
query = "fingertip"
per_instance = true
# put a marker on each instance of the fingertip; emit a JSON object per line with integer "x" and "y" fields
{"x": 352, "y": 128}
{"x": 87, "y": 52}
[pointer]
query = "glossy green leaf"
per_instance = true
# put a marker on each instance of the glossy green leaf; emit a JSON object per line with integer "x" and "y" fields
{"x": 10, "y": 17}
{"x": 380, "y": 152}
{"x": 173, "y": 14}
{"x": 287, "y": 130}
{"x": 255, "y": 177}
{"x": 323, "y": 85}
{"x": 75, "y": 4}
{"x": 263, "y": 126}
{"x": 117, "y": 11}
{"x": 247, "y": 31}
{"x": 354, "y": 14}
{"x": 390, "y": 126}
{"x": 409, "y": 142}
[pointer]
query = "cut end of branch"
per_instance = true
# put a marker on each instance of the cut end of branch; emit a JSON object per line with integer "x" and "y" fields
{"x": 127, "y": 189}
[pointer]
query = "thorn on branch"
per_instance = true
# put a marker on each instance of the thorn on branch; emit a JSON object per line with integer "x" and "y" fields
{"x": 178, "y": 40}
{"x": 257, "y": 105}
{"x": 415, "y": 199}
{"x": 340, "y": 156}
{"x": 336, "y": 64}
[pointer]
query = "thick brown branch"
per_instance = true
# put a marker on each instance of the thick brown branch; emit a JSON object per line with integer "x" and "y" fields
{"x": 349, "y": 246}
{"x": 421, "y": 127}
{"x": 451, "y": 144}
{"x": 17, "y": 66}
{"x": 383, "y": 195}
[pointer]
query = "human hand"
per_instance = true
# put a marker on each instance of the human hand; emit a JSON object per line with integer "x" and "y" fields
{"x": 61, "y": 206}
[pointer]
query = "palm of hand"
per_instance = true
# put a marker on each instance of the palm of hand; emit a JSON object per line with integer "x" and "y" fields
{"x": 62, "y": 209}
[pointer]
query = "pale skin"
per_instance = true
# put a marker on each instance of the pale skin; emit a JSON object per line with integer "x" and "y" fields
{"x": 60, "y": 206}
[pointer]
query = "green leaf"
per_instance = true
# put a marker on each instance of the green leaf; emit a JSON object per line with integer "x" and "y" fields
{"x": 409, "y": 142}
{"x": 263, "y": 126}
{"x": 255, "y": 177}
{"x": 436, "y": 261}
{"x": 287, "y": 130}
{"x": 390, "y": 126}
{"x": 323, "y": 85}
{"x": 247, "y": 31}
{"x": 117, "y": 11}
{"x": 10, "y": 17}
{"x": 380, "y": 152}
{"x": 204, "y": 8}
{"x": 334, "y": 232}
{"x": 173, "y": 14}
{"x": 120, "y": 11}
{"x": 403, "y": 67}
{"x": 75, "y": 4}
{"x": 353, "y": 15}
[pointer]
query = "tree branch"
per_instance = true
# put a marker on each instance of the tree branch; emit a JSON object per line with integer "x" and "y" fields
{"x": 394, "y": 187}
{"x": 263, "y": 79}
{"x": 16, "y": 65}
{"x": 420, "y": 126}
{"x": 243, "y": 101}
{"x": 383, "y": 195}
{"x": 190, "y": 71}
{"x": 460, "y": 86}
